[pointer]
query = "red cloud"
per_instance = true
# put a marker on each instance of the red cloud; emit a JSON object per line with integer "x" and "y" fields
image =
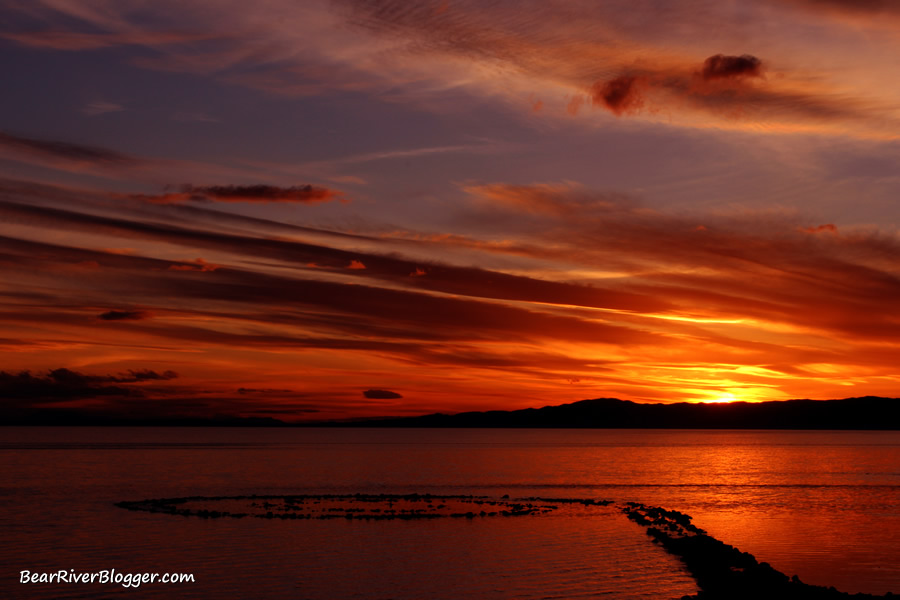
{"x": 195, "y": 265}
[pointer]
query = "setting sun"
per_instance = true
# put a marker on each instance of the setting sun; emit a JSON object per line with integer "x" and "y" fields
{"x": 722, "y": 397}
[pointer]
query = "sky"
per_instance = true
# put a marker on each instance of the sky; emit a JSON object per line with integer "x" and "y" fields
{"x": 329, "y": 210}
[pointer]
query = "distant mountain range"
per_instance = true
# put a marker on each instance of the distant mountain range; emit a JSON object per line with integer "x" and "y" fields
{"x": 869, "y": 412}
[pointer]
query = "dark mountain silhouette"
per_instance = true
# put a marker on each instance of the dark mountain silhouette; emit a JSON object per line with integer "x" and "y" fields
{"x": 869, "y": 412}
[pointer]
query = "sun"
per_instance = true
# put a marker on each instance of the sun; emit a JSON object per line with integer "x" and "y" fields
{"x": 721, "y": 397}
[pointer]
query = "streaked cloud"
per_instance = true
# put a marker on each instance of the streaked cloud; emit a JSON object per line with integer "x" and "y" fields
{"x": 76, "y": 40}
{"x": 305, "y": 194}
{"x": 55, "y": 151}
{"x": 611, "y": 293}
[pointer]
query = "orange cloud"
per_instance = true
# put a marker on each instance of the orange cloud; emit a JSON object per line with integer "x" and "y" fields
{"x": 561, "y": 199}
{"x": 827, "y": 227}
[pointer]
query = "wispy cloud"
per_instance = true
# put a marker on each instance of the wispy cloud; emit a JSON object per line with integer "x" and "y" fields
{"x": 564, "y": 52}
{"x": 54, "y": 151}
{"x": 77, "y": 40}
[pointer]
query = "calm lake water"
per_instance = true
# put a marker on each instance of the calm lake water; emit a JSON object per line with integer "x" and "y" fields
{"x": 822, "y": 505}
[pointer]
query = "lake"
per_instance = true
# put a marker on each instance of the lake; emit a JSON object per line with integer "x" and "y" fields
{"x": 824, "y": 505}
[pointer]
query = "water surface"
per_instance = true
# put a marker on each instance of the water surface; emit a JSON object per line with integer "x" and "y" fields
{"x": 822, "y": 505}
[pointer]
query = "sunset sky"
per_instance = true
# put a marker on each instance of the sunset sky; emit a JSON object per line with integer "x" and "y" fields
{"x": 312, "y": 210}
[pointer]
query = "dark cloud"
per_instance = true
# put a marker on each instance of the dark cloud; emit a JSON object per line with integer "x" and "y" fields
{"x": 124, "y": 315}
{"x": 56, "y": 150}
{"x": 60, "y": 385}
{"x": 147, "y": 375}
{"x": 720, "y": 66}
{"x": 381, "y": 395}
{"x": 620, "y": 95}
{"x": 306, "y": 194}
{"x": 284, "y": 411}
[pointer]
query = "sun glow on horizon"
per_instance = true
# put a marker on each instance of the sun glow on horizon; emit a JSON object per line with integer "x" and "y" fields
{"x": 722, "y": 398}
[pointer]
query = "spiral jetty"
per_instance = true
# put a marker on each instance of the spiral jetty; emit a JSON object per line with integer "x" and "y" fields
{"x": 722, "y": 572}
